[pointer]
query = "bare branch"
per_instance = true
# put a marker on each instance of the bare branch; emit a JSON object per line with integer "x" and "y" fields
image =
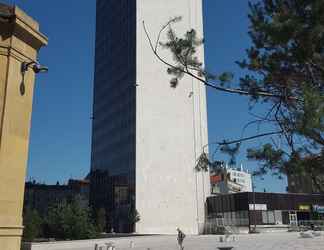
{"x": 154, "y": 51}
{"x": 259, "y": 121}
{"x": 223, "y": 143}
{"x": 161, "y": 30}
{"x": 250, "y": 138}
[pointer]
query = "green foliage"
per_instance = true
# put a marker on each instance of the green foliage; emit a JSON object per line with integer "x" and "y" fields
{"x": 271, "y": 158}
{"x": 134, "y": 216}
{"x": 287, "y": 56}
{"x": 70, "y": 221}
{"x": 184, "y": 54}
{"x": 183, "y": 51}
{"x": 286, "y": 65}
{"x": 101, "y": 219}
{"x": 64, "y": 220}
{"x": 203, "y": 163}
{"x": 232, "y": 151}
{"x": 32, "y": 225}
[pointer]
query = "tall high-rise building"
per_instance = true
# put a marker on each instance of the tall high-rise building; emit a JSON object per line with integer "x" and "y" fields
{"x": 146, "y": 136}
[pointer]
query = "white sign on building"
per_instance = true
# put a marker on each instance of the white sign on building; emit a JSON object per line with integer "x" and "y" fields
{"x": 258, "y": 207}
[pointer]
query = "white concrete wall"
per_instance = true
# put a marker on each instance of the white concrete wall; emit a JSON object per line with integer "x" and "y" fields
{"x": 171, "y": 128}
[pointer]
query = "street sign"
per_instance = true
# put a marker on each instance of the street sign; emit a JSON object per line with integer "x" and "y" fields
{"x": 318, "y": 209}
{"x": 304, "y": 207}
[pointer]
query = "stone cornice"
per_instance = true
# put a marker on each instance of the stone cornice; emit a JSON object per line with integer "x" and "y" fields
{"x": 31, "y": 26}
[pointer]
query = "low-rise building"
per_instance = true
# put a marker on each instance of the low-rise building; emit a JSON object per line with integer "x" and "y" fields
{"x": 41, "y": 196}
{"x": 230, "y": 180}
{"x": 264, "y": 209}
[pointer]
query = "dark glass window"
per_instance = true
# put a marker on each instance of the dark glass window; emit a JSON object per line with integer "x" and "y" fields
{"x": 114, "y": 107}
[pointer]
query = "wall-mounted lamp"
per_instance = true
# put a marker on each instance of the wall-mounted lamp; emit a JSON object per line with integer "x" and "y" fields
{"x": 35, "y": 66}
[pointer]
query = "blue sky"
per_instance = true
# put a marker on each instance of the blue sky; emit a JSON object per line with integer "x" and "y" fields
{"x": 61, "y": 127}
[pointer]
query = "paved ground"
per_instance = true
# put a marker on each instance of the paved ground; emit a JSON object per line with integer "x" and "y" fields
{"x": 266, "y": 241}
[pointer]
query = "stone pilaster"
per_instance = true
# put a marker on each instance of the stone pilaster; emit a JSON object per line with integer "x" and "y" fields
{"x": 20, "y": 41}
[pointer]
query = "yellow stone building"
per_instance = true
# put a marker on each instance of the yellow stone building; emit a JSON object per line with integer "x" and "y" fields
{"x": 20, "y": 41}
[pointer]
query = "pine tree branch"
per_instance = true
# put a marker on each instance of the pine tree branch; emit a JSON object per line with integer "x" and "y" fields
{"x": 154, "y": 49}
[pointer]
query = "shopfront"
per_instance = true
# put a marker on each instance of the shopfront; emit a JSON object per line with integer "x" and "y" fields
{"x": 245, "y": 209}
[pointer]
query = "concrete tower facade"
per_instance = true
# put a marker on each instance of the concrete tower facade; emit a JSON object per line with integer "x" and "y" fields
{"x": 160, "y": 132}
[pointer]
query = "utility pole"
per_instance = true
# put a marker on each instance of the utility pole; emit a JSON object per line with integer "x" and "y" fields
{"x": 253, "y": 191}
{"x": 253, "y": 210}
